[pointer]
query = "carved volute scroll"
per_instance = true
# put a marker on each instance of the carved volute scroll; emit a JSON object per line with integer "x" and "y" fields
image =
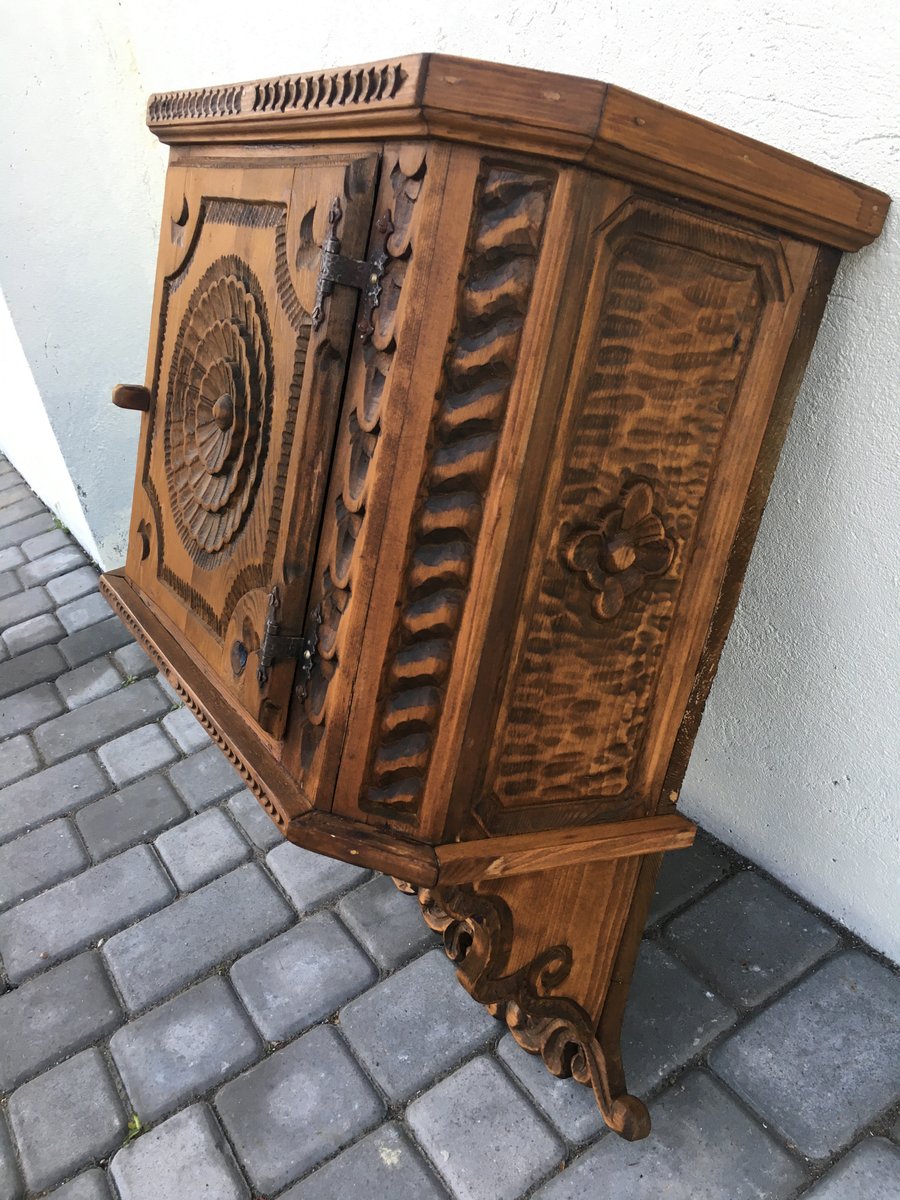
{"x": 502, "y": 249}
{"x": 478, "y": 928}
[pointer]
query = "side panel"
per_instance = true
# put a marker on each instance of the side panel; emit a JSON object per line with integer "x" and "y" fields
{"x": 685, "y": 330}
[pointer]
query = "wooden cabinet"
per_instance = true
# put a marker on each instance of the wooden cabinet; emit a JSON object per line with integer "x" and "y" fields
{"x": 465, "y": 388}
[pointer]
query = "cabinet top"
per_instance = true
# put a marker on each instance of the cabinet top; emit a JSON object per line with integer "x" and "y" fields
{"x": 581, "y": 121}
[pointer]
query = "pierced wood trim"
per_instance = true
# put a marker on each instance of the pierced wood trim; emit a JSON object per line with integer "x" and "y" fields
{"x": 576, "y": 120}
{"x": 494, "y": 858}
{"x": 479, "y": 936}
{"x": 502, "y": 249}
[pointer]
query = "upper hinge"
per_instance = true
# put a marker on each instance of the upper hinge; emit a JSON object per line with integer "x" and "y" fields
{"x": 277, "y": 646}
{"x": 364, "y": 274}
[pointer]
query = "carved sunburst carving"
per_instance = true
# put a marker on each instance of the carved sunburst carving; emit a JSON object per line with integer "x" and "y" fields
{"x": 219, "y": 407}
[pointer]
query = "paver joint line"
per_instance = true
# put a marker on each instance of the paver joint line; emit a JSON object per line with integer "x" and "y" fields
{"x": 286, "y": 1024}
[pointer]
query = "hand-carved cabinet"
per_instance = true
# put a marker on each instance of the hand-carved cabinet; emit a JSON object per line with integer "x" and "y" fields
{"x": 465, "y": 389}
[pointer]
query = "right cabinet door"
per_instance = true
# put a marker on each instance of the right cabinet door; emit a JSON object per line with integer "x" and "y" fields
{"x": 686, "y": 325}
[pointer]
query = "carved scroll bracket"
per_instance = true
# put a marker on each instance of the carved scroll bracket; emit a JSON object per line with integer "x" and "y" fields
{"x": 477, "y": 929}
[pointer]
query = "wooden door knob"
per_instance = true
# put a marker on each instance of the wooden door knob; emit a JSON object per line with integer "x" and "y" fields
{"x": 131, "y": 395}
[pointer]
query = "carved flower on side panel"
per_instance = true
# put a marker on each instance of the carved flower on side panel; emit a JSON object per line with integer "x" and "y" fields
{"x": 628, "y": 545}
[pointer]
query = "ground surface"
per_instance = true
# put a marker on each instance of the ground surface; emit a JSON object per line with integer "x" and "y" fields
{"x": 286, "y": 1026}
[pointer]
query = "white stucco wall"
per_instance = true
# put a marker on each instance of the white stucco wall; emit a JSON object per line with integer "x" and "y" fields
{"x": 797, "y": 763}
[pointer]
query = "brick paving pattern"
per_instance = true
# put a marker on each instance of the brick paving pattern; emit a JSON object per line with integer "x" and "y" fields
{"x": 285, "y": 1027}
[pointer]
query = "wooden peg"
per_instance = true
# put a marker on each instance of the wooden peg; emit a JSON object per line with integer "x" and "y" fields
{"x": 131, "y": 395}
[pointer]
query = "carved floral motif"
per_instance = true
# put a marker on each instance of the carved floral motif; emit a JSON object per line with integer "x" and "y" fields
{"x": 627, "y": 546}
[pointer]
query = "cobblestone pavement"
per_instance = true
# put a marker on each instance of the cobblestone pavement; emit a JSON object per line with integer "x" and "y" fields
{"x": 286, "y": 1026}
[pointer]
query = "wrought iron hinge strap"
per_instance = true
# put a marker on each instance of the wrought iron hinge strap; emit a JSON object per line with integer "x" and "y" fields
{"x": 278, "y": 646}
{"x": 363, "y": 274}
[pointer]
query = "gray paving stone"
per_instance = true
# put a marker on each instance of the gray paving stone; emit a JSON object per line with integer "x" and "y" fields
{"x": 749, "y": 938}
{"x": 89, "y": 682}
{"x": 176, "y": 1052}
{"x": 48, "y": 1018}
{"x": 38, "y": 860}
{"x": 311, "y": 880}
{"x": 18, "y": 534}
{"x": 205, "y": 778}
{"x": 11, "y": 557}
{"x": 161, "y": 954}
{"x": 11, "y": 1185}
{"x": 133, "y": 662}
{"x": 49, "y": 793}
{"x": 136, "y": 753}
{"x": 90, "y": 1185}
{"x": 43, "y": 543}
{"x": 388, "y": 923}
{"x": 685, "y": 874}
{"x": 100, "y": 720}
{"x": 702, "y": 1146}
{"x": 33, "y": 633}
{"x": 87, "y": 610}
{"x": 415, "y": 1025}
{"x": 70, "y": 915}
{"x": 669, "y": 1018}
{"x": 385, "y": 1164}
{"x": 9, "y": 584}
{"x": 483, "y": 1137}
{"x": 200, "y": 849}
{"x": 11, "y": 495}
{"x": 296, "y": 1108}
{"x": 15, "y": 514}
{"x": 93, "y": 641}
{"x": 18, "y": 758}
{"x": 821, "y": 1062}
{"x": 871, "y": 1171}
{"x": 254, "y": 820}
{"x": 69, "y": 1116}
{"x": 49, "y": 566}
{"x": 29, "y": 708}
{"x": 73, "y": 585}
{"x": 301, "y": 976}
{"x": 184, "y": 728}
{"x": 134, "y": 814}
{"x": 570, "y": 1107}
{"x": 24, "y": 605}
{"x": 185, "y": 1158}
{"x": 37, "y": 666}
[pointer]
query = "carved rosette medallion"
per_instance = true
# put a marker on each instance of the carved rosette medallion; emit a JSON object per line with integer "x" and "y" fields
{"x": 219, "y": 408}
{"x": 626, "y": 546}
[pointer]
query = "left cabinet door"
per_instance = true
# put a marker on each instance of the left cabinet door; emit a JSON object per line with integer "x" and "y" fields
{"x": 245, "y": 392}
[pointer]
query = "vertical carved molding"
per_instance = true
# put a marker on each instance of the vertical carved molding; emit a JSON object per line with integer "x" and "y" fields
{"x": 362, "y": 430}
{"x": 501, "y": 255}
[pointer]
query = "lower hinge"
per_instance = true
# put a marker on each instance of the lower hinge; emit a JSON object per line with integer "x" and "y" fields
{"x": 279, "y": 646}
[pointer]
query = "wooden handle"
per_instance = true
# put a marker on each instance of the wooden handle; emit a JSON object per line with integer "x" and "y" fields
{"x": 131, "y": 395}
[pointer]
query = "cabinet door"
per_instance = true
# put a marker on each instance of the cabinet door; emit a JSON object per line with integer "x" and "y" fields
{"x": 245, "y": 394}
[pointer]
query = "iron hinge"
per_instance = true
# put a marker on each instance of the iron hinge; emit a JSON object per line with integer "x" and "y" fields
{"x": 363, "y": 274}
{"x": 278, "y": 646}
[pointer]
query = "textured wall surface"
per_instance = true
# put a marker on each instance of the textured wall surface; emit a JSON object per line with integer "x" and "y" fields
{"x": 797, "y": 763}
